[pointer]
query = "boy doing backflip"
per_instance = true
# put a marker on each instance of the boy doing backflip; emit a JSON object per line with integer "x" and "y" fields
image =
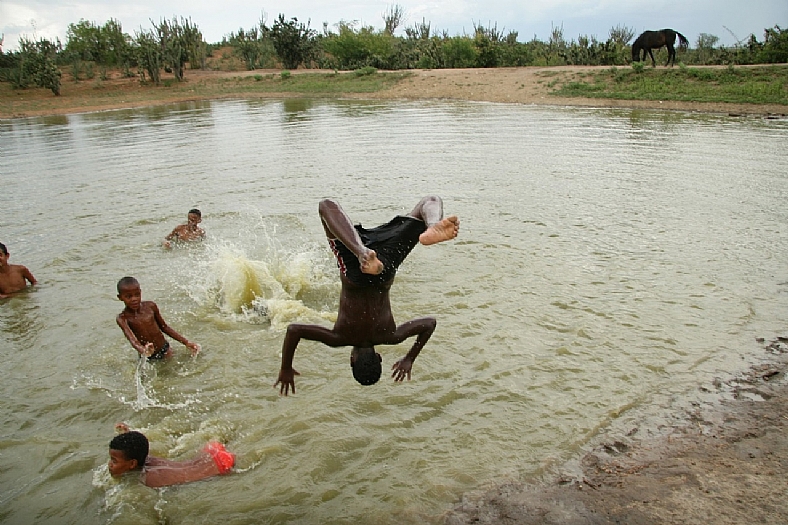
{"x": 368, "y": 261}
{"x": 13, "y": 277}
{"x": 143, "y": 325}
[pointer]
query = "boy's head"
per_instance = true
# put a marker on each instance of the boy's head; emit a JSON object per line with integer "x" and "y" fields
{"x": 127, "y": 451}
{"x": 194, "y": 216}
{"x": 129, "y": 292}
{"x": 366, "y": 366}
{"x": 3, "y": 249}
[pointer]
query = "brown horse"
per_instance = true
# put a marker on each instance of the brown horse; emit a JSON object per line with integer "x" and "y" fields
{"x": 649, "y": 40}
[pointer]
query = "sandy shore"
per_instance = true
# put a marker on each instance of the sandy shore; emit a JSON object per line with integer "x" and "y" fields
{"x": 527, "y": 85}
{"x": 724, "y": 461}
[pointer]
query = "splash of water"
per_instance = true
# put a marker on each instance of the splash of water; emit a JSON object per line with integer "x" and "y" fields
{"x": 274, "y": 285}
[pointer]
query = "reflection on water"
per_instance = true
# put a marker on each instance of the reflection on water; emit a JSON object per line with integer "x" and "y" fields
{"x": 609, "y": 262}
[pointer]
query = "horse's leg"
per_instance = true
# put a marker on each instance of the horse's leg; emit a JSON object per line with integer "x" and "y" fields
{"x": 671, "y": 55}
{"x": 651, "y": 54}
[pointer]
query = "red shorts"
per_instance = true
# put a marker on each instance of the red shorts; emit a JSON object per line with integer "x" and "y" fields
{"x": 224, "y": 460}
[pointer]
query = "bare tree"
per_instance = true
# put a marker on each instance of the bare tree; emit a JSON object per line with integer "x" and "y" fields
{"x": 393, "y": 17}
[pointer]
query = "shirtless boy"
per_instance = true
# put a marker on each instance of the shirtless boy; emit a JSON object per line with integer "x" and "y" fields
{"x": 128, "y": 452}
{"x": 187, "y": 232}
{"x": 13, "y": 277}
{"x": 143, "y": 325}
{"x": 368, "y": 261}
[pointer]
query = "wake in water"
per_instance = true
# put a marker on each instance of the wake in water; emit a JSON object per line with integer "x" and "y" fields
{"x": 275, "y": 285}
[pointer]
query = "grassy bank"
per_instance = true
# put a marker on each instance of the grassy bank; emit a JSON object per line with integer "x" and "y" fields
{"x": 86, "y": 95}
{"x": 733, "y": 85}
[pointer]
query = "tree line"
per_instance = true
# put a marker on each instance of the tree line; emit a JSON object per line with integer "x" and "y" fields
{"x": 173, "y": 45}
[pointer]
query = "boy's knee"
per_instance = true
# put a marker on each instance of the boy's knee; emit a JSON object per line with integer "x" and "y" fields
{"x": 327, "y": 205}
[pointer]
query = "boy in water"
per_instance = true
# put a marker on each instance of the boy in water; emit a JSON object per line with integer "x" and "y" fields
{"x": 128, "y": 452}
{"x": 187, "y": 232}
{"x": 368, "y": 261}
{"x": 13, "y": 277}
{"x": 143, "y": 325}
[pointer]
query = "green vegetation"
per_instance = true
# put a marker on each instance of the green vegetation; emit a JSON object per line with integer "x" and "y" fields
{"x": 173, "y": 45}
{"x": 756, "y": 85}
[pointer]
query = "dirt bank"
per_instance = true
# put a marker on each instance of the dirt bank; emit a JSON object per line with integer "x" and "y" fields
{"x": 724, "y": 461}
{"x": 528, "y": 85}
{"x": 531, "y": 85}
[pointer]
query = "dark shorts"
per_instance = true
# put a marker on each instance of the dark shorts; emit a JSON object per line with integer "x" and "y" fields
{"x": 160, "y": 353}
{"x": 392, "y": 243}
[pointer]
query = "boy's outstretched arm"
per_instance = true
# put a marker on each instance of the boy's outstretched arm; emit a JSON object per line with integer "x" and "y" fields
{"x": 422, "y": 328}
{"x": 167, "y": 329}
{"x": 296, "y": 332}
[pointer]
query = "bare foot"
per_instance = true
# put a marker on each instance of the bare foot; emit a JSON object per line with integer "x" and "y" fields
{"x": 370, "y": 263}
{"x": 444, "y": 230}
{"x": 121, "y": 428}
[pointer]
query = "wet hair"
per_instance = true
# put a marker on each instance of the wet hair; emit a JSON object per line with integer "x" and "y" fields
{"x": 366, "y": 366}
{"x": 196, "y": 212}
{"x": 3, "y": 249}
{"x": 127, "y": 281}
{"x": 133, "y": 444}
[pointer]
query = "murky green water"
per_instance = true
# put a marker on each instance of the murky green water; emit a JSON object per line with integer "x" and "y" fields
{"x": 608, "y": 260}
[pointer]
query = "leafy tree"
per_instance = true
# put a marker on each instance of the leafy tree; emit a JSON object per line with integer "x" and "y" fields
{"x": 149, "y": 56}
{"x": 37, "y": 64}
{"x": 246, "y": 44}
{"x": 174, "y": 46}
{"x": 705, "y": 47}
{"x": 293, "y": 41}
{"x": 253, "y": 46}
{"x": 106, "y": 45}
{"x": 459, "y": 52}
{"x": 775, "y": 45}
{"x": 487, "y": 41}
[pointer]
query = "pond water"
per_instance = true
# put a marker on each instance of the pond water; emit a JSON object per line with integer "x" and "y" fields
{"x": 610, "y": 262}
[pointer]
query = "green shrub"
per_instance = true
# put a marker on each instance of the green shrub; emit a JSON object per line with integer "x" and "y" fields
{"x": 365, "y": 71}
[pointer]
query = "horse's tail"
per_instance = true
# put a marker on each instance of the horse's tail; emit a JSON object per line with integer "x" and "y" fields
{"x": 683, "y": 42}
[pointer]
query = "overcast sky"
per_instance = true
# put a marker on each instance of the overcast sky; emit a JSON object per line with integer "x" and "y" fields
{"x": 730, "y": 20}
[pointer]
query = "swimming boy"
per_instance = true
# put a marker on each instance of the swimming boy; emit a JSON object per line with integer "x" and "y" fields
{"x": 128, "y": 452}
{"x": 13, "y": 277}
{"x": 368, "y": 261}
{"x": 143, "y": 325}
{"x": 187, "y": 232}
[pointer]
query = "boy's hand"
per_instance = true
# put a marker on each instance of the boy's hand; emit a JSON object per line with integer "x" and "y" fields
{"x": 149, "y": 350}
{"x": 195, "y": 348}
{"x": 286, "y": 380}
{"x": 401, "y": 369}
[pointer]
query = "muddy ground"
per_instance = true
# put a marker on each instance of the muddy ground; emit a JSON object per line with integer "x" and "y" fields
{"x": 723, "y": 461}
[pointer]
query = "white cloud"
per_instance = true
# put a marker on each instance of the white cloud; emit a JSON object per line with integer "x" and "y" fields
{"x": 532, "y": 18}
